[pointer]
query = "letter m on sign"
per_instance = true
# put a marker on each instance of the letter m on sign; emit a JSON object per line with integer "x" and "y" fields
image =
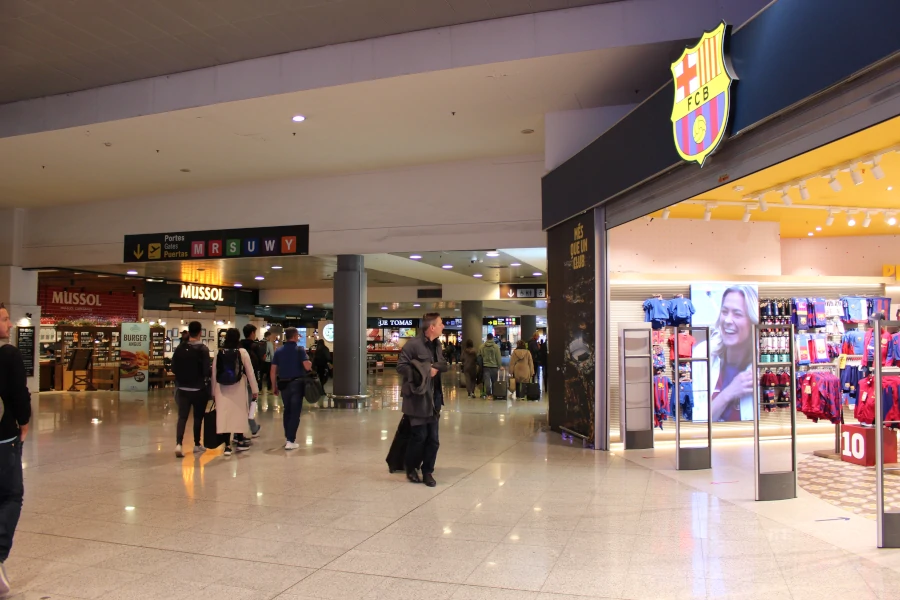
{"x": 198, "y": 249}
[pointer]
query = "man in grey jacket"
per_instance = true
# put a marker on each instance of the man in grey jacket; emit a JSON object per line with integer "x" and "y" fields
{"x": 420, "y": 364}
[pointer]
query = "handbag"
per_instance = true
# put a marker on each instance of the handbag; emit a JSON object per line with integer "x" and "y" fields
{"x": 313, "y": 390}
{"x": 211, "y": 436}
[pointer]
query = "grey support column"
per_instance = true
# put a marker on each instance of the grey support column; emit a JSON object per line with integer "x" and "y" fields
{"x": 601, "y": 335}
{"x": 529, "y": 326}
{"x": 472, "y": 320}
{"x": 350, "y": 326}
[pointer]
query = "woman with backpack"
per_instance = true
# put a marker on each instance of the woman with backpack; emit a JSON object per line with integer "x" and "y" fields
{"x": 232, "y": 373}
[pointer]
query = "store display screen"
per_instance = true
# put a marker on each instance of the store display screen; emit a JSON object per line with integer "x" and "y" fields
{"x": 408, "y": 333}
{"x": 730, "y": 310}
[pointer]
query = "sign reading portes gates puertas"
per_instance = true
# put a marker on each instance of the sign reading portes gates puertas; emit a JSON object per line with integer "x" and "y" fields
{"x": 702, "y": 77}
{"x": 290, "y": 240}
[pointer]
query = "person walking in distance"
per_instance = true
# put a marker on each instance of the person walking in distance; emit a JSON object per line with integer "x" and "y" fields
{"x": 470, "y": 366}
{"x": 267, "y": 359}
{"x": 257, "y": 354}
{"x": 15, "y": 413}
{"x": 534, "y": 346}
{"x": 290, "y": 364}
{"x": 521, "y": 365}
{"x": 490, "y": 363}
{"x": 233, "y": 372}
{"x": 321, "y": 361}
{"x": 191, "y": 367}
{"x": 420, "y": 364}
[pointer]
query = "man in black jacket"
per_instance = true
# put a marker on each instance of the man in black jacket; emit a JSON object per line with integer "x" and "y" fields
{"x": 420, "y": 364}
{"x": 16, "y": 414}
{"x": 252, "y": 347}
{"x": 192, "y": 369}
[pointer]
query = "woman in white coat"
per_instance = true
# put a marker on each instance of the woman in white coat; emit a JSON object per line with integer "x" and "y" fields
{"x": 230, "y": 369}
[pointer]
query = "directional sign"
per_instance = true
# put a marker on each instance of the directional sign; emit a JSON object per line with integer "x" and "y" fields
{"x": 517, "y": 291}
{"x": 289, "y": 240}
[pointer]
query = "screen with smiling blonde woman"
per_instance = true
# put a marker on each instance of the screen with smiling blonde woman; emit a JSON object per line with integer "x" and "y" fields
{"x": 730, "y": 310}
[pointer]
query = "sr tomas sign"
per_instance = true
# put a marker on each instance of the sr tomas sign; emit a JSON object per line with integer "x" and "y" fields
{"x": 201, "y": 292}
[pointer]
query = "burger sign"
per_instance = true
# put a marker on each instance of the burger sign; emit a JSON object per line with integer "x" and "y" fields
{"x": 134, "y": 357}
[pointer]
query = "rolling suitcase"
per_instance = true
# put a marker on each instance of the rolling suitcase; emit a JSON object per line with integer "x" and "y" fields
{"x": 501, "y": 390}
{"x": 397, "y": 454}
{"x": 532, "y": 391}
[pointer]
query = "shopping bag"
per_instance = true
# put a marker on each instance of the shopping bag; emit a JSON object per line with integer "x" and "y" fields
{"x": 397, "y": 454}
{"x": 211, "y": 437}
{"x": 254, "y": 408}
{"x": 313, "y": 391}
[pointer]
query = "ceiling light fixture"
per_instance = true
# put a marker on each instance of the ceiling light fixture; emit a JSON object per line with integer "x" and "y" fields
{"x": 877, "y": 171}
{"x": 851, "y": 222}
{"x": 537, "y": 274}
{"x": 746, "y": 217}
{"x": 259, "y": 278}
{"x": 515, "y": 264}
{"x": 890, "y": 218}
{"x": 818, "y": 229}
{"x": 276, "y": 267}
{"x": 478, "y": 275}
{"x": 804, "y": 193}
{"x": 239, "y": 285}
{"x": 384, "y": 308}
{"x": 856, "y": 176}
{"x": 868, "y": 220}
{"x": 810, "y": 234}
{"x": 707, "y": 214}
{"x": 666, "y": 214}
{"x": 834, "y": 183}
{"x": 785, "y": 197}
{"x": 763, "y": 205}
{"x": 132, "y": 272}
{"x": 447, "y": 267}
{"x": 415, "y": 257}
{"x": 309, "y": 306}
{"x": 298, "y": 118}
{"x": 830, "y": 220}
{"x": 416, "y": 305}
{"x": 492, "y": 254}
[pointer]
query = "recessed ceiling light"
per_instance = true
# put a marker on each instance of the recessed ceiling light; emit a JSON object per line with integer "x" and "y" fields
{"x": 536, "y": 274}
{"x": 492, "y": 254}
{"x": 239, "y": 285}
{"x": 810, "y": 234}
{"x": 818, "y": 229}
{"x": 890, "y": 187}
{"x": 478, "y": 275}
{"x": 309, "y": 306}
{"x": 416, "y": 305}
{"x": 132, "y": 272}
{"x": 298, "y": 118}
{"x": 384, "y": 308}
{"x": 447, "y": 267}
{"x": 259, "y": 278}
{"x": 415, "y": 256}
{"x": 277, "y": 267}
{"x": 515, "y": 264}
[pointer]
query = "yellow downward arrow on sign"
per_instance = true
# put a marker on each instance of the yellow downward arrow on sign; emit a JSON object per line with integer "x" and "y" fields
{"x": 138, "y": 253}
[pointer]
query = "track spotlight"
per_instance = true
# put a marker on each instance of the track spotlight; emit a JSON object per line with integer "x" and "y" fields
{"x": 707, "y": 214}
{"x": 830, "y": 220}
{"x": 804, "y": 193}
{"x": 763, "y": 206}
{"x": 666, "y": 214}
{"x": 746, "y": 217}
{"x": 868, "y": 220}
{"x": 856, "y": 176}
{"x": 785, "y": 197}
{"x": 890, "y": 218}
{"x": 834, "y": 183}
{"x": 851, "y": 221}
{"x": 877, "y": 171}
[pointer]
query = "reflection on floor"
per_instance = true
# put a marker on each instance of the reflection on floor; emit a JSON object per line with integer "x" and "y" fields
{"x": 111, "y": 513}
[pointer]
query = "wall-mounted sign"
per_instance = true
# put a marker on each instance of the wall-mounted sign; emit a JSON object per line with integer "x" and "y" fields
{"x": 61, "y": 303}
{"x": 379, "y": 323}
{"x": 510, "y": 291}
{"x": 502, "y": 321}
{"x": 290, "y": 240}
{"x": 201, "y": 292}
{"x": 134, "y": 357}
{"x": 25, "y": 344}
{"x": 702, "y": 77}
{"x": 328, "y": 332}
{"x": 452, "y": 323}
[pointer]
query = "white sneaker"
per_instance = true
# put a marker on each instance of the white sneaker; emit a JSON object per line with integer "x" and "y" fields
{"x": 178, "y": 451}
{"x": 291, "y": 445}
{"x": 199, "y": 449}
{"x": 4, "y": 581}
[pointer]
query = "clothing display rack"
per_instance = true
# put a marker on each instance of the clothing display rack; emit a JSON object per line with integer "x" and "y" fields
{"x": 888, "y": 523}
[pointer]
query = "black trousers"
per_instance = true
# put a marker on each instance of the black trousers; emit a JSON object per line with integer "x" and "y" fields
{"x": 322, "y": 372}
{"x": 423, "y": 446}
{"x": 187, "y": 400}
{"x": 12, "y": 490}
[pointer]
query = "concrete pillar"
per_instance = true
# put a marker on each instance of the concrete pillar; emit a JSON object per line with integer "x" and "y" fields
{"x": 350, "y": 326}
{"x": 529, "y": 326}
{"x": 472, "y": 320}
{"x": 18, "y": 288}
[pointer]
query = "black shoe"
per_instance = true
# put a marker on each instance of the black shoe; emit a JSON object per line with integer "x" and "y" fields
{"x": 428, "y": 480}
{"x": 413, "y": 476}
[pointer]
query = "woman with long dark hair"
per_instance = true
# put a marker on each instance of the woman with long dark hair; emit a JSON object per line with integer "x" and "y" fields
{"x": 232, "y": 371}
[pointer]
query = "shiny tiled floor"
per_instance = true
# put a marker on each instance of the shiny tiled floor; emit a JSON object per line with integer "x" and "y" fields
{"x": 517, "y": 515}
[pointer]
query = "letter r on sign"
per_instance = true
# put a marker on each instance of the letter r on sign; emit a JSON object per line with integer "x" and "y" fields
{"x": 289, "y": 244}
{"x": 198, "y": 249}
{"x": 215, "y": 247}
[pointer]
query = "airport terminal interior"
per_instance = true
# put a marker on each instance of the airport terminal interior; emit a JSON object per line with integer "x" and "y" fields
{"x": 688, "y": 398}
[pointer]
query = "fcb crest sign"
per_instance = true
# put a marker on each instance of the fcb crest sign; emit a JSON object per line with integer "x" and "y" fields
{"x": 702, "y": 77}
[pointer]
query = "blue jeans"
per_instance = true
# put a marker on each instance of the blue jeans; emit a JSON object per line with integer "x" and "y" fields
{"x": 12, "y": 490}
{"x": 490, "y": 379}
{"x": 292, "y": 398}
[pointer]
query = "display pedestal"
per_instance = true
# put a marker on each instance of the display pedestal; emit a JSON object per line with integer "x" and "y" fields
{"x": 858, "y": 445}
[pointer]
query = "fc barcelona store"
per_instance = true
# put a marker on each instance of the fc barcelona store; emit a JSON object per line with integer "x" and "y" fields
{"x": 723, "y": 261}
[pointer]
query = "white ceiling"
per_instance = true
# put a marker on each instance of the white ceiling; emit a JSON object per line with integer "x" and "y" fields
{"x": 56, "y": 46}
{"x": 458, "y": 114}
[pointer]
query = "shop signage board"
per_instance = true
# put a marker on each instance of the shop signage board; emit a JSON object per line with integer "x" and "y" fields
{"x": 502, "y": 321}
{"x": 509, "y": 291}
{"x": 452, "y": 323}
{"x": 289, "y": 240}
{"x": 379, "y": 323}
{"x": 159, "y": 296}
{"x": 134, "y": 357}
{"x": 702, "y": 77}
{"x": 62, "y": 303}
{"x": 25, "y": 344}
{"x": 328, "y": 332}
